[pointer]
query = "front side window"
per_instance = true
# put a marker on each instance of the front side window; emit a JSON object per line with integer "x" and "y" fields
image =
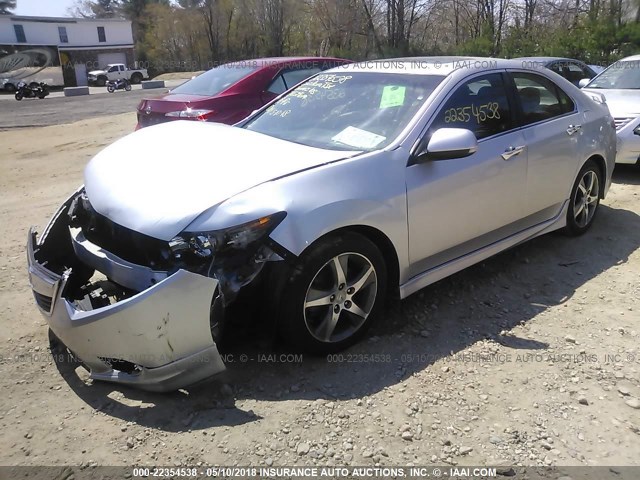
{"x": 621, "y": 75}
{"x": 540, "y": 98}
{"x": 480, "y": 105}
{"x": 101, "y": 35}
{"x": 347, "y": 110}
{"x": 62, "y": 32}
{"x": 20, "y": 36}
{"x": 112, "y": 69}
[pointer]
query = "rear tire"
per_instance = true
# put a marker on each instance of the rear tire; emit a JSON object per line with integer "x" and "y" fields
{"x": 335, "y": 292}
{"x": 585, "y": 199}
{"x": 127, "y": 87}
{"x": 136, "y": 78}
{"x": 9, "y": 87}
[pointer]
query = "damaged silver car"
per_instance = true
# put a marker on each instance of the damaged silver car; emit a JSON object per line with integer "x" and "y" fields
{"x": 365, "y": 180}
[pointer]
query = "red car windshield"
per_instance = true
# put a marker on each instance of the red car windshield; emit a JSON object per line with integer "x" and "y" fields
{"x": 215, "y": 80}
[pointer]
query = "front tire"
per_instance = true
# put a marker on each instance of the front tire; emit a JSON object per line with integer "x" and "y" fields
{"x": 334, "y": 294}
{"x": 110, "y": 88}
{"x": 585, "y": 199}
{"x": 19, "y": 95}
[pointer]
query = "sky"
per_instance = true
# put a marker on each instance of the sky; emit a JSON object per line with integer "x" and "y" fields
{"x": 43, "y": 8}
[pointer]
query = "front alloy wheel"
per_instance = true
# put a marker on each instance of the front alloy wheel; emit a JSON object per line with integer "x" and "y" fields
{"x": 585, "y": 199}
{"x": 334, "y": 294}
{"x": 340, "y": 297}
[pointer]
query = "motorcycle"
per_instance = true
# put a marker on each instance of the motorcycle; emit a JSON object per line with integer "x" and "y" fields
{"x": 33, "y": 90}
{"x": 120, "y": 84}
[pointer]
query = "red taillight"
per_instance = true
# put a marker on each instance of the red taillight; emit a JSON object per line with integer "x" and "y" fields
{"x": 201, "y": 114}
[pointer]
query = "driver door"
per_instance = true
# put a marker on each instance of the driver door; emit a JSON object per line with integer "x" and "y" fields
{"x": 459, "y": 205}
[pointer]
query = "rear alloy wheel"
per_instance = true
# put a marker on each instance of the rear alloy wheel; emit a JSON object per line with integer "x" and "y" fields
{"x": 335, "y": 294}
{"x": 585, "y": 199}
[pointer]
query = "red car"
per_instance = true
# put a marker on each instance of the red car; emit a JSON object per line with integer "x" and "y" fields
{"x": 230, "y": 92}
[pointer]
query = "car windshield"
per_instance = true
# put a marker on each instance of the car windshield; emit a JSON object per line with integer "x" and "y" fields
{"x": 623, "y": 75}
{"x": 346, "y": 110}
{"x": 215, "y": 80}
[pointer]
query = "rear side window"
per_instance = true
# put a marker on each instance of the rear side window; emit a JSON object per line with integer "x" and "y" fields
{"x": 290, "y": 78}
{"x": 216, "y": 80}
{"x": 277, "y": 86}
{"x": 540, "y": 98}
{"x": 294, "y": 77}
{"x": 480, "y": 105}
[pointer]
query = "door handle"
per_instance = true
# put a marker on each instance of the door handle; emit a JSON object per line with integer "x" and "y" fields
{"x": 573, "y": 129}
{"x": 512, "y": 151}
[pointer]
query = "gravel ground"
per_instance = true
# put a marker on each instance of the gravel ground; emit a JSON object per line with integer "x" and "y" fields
{"x": 530, "y": 358}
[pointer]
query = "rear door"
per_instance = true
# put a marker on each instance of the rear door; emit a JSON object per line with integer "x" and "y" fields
{"x": 460, "y": 205}
{"x": 552, "y": 127}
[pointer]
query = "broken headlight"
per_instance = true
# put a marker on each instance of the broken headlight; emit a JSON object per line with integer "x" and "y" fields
{"x": 205, "y": 245}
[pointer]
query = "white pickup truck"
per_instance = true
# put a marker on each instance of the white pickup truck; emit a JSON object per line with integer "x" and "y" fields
{"x": 116, "y": 71}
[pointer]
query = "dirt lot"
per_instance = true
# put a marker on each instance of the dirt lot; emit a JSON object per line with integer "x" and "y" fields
{"x": 530, "y": 358}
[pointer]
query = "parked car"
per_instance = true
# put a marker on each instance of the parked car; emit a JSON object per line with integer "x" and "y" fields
{"x": 597, "y": 69}
{"x": 230, "y": 92}
{"x": 358, "y": 182}
{"x": 620, "y": 85}
{"x": 572, "y": 70}
{"x": 116, "y": 71}
{"x": 9, "y": 85}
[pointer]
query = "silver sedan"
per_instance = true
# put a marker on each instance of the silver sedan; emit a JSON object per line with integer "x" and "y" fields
{"x": 372, "y": 178}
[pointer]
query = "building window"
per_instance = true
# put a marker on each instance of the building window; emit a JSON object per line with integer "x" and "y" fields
{"x": 20, "y": 37}
{"x": 62, "y": 31}
{"x": 101, "y": 36}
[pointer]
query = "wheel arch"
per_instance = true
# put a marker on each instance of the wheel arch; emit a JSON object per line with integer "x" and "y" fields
{"x": 602, "y": 166}
{"x": 381, "y": 241}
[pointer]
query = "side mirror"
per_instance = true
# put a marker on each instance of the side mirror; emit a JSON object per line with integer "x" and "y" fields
{"x": 584, "y": 82}
{"x": 448, "y": 143}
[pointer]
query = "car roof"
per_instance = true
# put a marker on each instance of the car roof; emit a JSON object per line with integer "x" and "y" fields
{"x": 430, "y": 65}
{"x": 271, "y": 61}
{"x": 548, "y": 59}
{"x": 631, "y": 58}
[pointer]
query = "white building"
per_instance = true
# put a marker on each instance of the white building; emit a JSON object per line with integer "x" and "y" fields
{"x": 61, "y": 50}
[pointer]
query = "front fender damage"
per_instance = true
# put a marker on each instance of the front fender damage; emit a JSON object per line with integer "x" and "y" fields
{"x": 161, "y": 336}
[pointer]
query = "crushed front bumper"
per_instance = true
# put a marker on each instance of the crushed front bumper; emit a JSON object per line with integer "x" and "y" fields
{"x": 162, "y": 334}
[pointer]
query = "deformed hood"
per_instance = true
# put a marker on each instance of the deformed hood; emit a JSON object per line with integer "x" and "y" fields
{"x": 159, "y": 179}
